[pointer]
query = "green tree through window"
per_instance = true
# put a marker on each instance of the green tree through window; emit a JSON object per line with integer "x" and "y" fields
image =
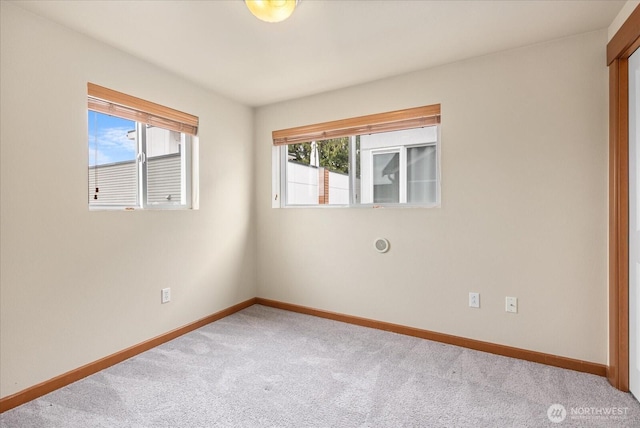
{"x": 333, "y": 154}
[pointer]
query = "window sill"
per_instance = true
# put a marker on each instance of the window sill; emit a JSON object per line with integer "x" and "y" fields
{"x": 122, "y": 208}
{"x": 362, "y": 206}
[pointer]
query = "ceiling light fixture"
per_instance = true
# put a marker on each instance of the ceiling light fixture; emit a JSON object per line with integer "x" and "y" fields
{"x": 272, "y": 10}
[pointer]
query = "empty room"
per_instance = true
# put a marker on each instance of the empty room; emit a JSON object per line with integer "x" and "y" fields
{"x": 311, "y": 213}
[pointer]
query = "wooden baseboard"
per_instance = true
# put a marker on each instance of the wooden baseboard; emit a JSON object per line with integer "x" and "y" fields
{"x": 57, "y": 382}
{"x": 64, "y": 379}
{"x": 507, "y": 351}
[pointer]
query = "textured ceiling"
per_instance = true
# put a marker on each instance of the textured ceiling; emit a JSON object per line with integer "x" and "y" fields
{"x": 325, "y": 45}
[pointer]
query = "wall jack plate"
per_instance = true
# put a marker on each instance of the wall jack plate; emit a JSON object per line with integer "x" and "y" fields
{"x": 511, "y": 305}
{"x": 166, "y": 295}
{"x": 474, "y": 300}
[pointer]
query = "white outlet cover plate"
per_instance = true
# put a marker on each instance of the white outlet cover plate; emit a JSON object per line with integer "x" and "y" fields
{"x": 511, "y": 305}
{"x": 166, "y": 295}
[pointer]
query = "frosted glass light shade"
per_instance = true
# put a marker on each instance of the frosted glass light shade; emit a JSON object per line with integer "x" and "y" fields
{"x": 271, "y": 10}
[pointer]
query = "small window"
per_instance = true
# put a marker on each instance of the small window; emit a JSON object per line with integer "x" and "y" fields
{"x": 389, "y": 159}
{"x": 137, "y": 158}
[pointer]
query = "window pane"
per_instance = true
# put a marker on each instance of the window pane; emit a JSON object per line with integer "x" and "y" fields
{"x": 421, "y": 174}
{"x": 334, "y": 178}
{"x": 113, "y": 177}
{"x": 165, "y": 166}
{"x": 302, "y": 184}
{"x": 302, "y": 174}
{"x": 386, "y": 186}
{"x": 318, "y": 173}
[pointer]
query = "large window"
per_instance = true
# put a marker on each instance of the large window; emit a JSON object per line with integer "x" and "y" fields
{"x": 388, "y": 159}
{"x": 140, "y": 153}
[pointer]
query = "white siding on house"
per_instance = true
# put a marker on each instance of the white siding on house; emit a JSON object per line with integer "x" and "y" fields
{"x": 164, "y": 179}
{"x": 117, "y": 182}
{"x": 162, "y": 141}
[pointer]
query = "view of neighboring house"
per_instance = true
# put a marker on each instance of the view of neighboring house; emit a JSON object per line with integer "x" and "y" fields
{"x": 116, "y": 183}
{"x": 390, "y": 167}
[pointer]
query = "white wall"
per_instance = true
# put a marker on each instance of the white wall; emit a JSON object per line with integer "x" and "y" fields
{"x": 77, "y": 285}
{"x": 524, "y": 206}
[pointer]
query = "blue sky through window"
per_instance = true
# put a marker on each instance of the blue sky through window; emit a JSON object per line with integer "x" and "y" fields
{"x": 108, "y": 141}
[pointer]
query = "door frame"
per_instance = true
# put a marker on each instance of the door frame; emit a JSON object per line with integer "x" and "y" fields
{"x": 619, "y": 49}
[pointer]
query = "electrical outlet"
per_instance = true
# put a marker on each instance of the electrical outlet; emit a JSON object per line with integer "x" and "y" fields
{"x": 474, "y": 300}
{"x": 511, "y": 304}
{"x": 166, "y": 295}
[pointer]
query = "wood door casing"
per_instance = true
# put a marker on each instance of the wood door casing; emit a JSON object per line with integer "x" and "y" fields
{"x": 621, "y": 46}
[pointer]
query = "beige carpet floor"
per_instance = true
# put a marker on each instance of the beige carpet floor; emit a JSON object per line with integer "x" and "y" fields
{"x": 264, "y": 367}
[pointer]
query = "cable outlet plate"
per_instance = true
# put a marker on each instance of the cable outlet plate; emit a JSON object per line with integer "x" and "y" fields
{"x": 474, "y": 300}
{"x": 511, "y": 305}
{"x": 166, "y": 295}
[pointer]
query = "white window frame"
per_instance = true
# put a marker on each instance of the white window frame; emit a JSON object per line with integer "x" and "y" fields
{"x": 141, "y": 163}
{"x": 403, "y": 171}
{"x": 142, "y": 171}
{"x": 401, "y": 178}
{"x": 399, "y": 120}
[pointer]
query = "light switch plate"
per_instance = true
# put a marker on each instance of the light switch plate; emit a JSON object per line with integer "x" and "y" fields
{"x": 474, "y": 300}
